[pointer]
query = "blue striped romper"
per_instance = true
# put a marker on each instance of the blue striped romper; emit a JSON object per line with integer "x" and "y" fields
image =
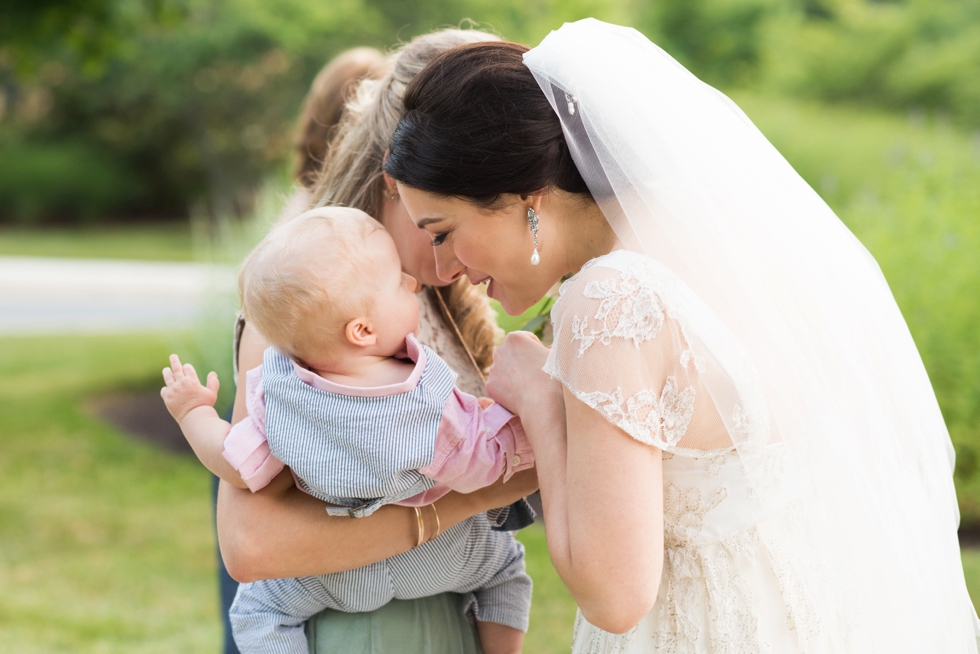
{"x": 361, "y": 453}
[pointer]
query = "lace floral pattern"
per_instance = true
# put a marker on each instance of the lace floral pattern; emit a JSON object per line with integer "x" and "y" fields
{"x": 726, "y": 568}
{"x": 628, "y": 309}
{"x": 691, "y": 571}
{"x": 658, "y": 421}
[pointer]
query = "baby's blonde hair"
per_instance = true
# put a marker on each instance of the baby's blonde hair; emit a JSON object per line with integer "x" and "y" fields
{"x": 306, "y": 280}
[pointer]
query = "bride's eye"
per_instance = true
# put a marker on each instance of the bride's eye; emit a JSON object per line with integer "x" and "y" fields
{"x": 440, "y": 238}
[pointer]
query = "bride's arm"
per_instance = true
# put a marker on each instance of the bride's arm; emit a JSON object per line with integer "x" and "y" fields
{"x": 282, "y": 532}
{"x": 602, "y": 491}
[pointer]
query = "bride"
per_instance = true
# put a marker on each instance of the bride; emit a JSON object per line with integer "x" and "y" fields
{"x": 738, "y": 447}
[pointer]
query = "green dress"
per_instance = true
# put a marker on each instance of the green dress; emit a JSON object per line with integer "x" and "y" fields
{"x": 430, "y": 625}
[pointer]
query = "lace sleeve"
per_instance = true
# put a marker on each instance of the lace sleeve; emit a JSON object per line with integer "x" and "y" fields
{"x": 622, "y": 350}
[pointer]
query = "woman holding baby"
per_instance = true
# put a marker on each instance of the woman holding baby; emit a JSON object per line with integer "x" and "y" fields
{"x": 282, "y": 532}
{"x": 737, "y": 444}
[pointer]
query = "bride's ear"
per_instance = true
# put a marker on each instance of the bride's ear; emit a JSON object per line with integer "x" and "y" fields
{"x": 533, "y": 200}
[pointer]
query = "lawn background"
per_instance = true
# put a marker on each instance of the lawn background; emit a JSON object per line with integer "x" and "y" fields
{"x": 107, "y": 544}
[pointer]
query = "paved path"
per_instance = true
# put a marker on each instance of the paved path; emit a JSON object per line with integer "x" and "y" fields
{"x": 41, "y": 295}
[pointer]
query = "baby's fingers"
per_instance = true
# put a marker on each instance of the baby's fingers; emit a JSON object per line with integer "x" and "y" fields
{"x": 168, "y": 377}
{"x": 178, "y": 370}
{"x": 213, "y": 384}
{"x": 190, "y": 372}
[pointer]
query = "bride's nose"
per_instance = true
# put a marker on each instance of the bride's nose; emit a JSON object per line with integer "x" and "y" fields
{"x": 448, "y": 267}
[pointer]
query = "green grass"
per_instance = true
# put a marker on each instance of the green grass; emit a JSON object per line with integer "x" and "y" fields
{"x": 143, "y": 241}
{"x": 552, "y": 607}
{"x": 107, "y": 543}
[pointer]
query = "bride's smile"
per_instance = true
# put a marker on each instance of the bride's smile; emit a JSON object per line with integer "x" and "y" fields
{"x": 494, "y": 245}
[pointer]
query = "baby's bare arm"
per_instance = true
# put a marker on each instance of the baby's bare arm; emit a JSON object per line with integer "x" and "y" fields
{"x": 192, "y": 406}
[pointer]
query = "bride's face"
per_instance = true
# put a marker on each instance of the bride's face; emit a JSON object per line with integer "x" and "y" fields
{"x": 491, "y": 246}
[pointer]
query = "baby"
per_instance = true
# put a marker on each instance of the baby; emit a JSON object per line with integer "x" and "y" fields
{"x": 363, "y": 415}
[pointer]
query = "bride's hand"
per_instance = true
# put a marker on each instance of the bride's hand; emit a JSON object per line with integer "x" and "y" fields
{"x": 516, "y": 380}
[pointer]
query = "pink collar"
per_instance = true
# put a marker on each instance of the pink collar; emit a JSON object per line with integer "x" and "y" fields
{"x": 413, "y": 351}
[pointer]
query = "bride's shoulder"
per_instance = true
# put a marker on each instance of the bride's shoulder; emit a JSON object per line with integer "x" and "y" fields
{"x": 618, "y": 273}
{"x": 622, "y": 296}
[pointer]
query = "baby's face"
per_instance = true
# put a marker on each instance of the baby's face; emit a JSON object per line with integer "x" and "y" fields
{"x": 396, "y": 306}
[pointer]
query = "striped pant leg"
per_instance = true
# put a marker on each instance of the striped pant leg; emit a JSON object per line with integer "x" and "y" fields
{"x": 470, "y": 558}
{"x": 506, "y": 597}
{"x": 269, "y": 617}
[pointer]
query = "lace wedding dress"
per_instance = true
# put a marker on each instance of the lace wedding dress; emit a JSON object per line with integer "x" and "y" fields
{"x": 732, "y": 578}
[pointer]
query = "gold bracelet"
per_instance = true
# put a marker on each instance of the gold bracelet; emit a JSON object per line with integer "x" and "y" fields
{"x": 438, "y": 525}
{"x": 421, "y": 526}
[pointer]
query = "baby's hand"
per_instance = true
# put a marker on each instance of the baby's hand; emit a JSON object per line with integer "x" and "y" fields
{"x": 184, "y": 392}
{"x": 484, "y": 402}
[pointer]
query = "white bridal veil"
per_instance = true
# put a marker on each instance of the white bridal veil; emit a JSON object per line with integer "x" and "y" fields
{"x": 787, "y": 300}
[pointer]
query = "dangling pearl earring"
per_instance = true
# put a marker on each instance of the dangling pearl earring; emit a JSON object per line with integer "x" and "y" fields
{"x": 532, "y": 222}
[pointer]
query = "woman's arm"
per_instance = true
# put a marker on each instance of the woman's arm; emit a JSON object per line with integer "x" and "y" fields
{"x": 602, "y": 491}
{"x": 281, "y": 531}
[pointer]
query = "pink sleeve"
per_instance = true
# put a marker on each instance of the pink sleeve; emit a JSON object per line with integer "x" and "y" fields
{"x": 246, "y": 448}
{"x": 475, "y": 446}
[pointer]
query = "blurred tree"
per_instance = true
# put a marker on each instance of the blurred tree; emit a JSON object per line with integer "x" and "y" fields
{"x": 30, "y": 30}
{"x": 194, "y": 109}
{"x": 150, "y": 106}
{"x": 900, "y": 54}
{"x": 189, "y": 101}
{"x": 720, "y": 40}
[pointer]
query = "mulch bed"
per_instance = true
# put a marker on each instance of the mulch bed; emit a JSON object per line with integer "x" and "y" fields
{"x": 144, "y": 417}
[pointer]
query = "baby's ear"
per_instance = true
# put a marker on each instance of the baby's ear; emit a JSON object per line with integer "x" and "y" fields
{"x": 359, "y": 332}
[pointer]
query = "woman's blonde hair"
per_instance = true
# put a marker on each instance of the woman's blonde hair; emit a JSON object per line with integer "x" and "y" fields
{"x": 333, "y": 87}
{"x": 352, "y": 174}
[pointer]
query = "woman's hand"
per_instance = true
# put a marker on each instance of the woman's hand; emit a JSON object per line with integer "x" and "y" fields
{"x": 517, "y": 381}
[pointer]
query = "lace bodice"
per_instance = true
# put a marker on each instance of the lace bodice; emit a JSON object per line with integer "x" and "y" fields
{"x": 625, "y": 347}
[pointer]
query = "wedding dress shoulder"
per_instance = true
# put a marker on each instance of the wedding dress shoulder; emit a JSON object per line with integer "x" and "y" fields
{"x": 732, "y": 580}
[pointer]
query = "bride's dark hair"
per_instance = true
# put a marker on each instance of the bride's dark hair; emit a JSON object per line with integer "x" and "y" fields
{"x": 476, "y": 126}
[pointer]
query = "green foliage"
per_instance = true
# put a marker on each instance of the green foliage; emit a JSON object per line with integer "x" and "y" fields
{"x": 200, "y": 109}
{"x": 172, "y": 103}
{"x": 193, "y": 100}
{"x": 919, "y": 53}
{"x": 721, "y": 40}
{"x": 71, "y": 178}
